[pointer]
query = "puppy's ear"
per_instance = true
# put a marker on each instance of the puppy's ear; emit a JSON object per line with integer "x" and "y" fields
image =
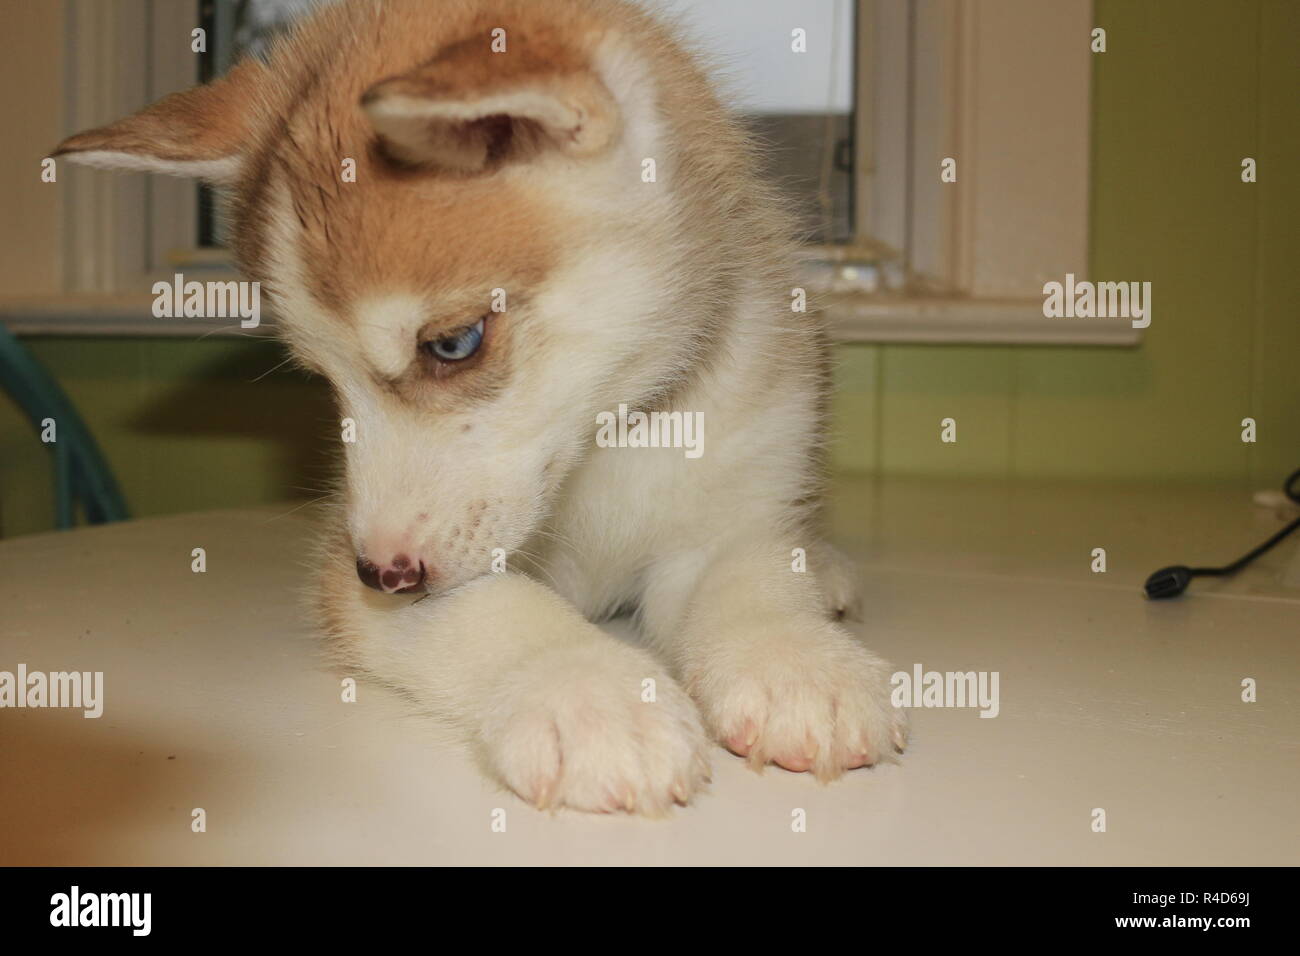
{"x": 471, "y": 107}
{"x": 200, "y": 132}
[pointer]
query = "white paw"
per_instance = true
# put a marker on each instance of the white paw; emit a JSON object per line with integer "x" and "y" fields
{"x": 571, "y": 728}
{"x": 810, "y": 698}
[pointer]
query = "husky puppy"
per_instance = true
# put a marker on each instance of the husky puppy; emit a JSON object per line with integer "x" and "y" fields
{"x": 548, "y": 215}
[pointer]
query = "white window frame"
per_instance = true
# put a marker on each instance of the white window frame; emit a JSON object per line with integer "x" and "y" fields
{"x": 120, "y": 232}
{"x": 976, "y": 252}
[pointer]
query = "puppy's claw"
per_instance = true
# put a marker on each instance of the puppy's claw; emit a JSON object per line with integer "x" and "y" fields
{"x": 542, "y": 799}
{"x": 702, "y": 769}
{"x": 899, "y": 737}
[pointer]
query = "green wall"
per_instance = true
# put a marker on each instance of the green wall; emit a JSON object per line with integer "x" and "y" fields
{"x": 186, "y": 426}
{"x": 1186, "y": 89}
{"x": 1183, "y": 93}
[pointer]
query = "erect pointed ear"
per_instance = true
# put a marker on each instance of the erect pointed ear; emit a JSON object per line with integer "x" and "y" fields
{"x": 471, "y": 107}
{"x": 200, "y": 132}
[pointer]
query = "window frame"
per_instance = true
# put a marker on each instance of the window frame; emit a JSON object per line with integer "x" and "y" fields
{"x": 120, "y": 57}
{"x": 975, "y": 266}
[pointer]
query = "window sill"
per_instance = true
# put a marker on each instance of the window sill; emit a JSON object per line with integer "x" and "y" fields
{"x": 853, "y": 317}
{"x": 857, "y": 317}
{"x": 111, "y": 315}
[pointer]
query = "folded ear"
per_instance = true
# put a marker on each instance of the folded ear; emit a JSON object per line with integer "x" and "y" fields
{"x": 471, "y": 107}
{"x": 200, "y": 132}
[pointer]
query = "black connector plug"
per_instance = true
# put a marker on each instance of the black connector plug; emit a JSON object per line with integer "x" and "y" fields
{"x": 1169, "y": 582}
{"x": 1172, "y": 581}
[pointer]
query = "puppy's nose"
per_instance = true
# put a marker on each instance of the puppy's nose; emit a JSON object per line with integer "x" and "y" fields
{"x": 398, "y": 576}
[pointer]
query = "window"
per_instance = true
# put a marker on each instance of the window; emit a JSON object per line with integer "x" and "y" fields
{"x": 858, "y": 124}
{"x": 1003, "y": 89}
{"x": 800, "y": 106}
{"x": 236, "y": 28}
{"x": 788, "y": 68}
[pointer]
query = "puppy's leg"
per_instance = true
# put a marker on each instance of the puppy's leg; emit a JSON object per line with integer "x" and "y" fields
{"x": 836, "y": 575}
{"x": 776, "y": 680}
{"x": 562, "y": 710}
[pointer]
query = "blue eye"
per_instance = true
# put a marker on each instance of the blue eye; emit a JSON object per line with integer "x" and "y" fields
{"x": 457, "y": 347}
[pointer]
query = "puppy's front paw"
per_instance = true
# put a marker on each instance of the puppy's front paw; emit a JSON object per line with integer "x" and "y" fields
{"x": 805, "y": 698}
{"x": 573, "y": 728}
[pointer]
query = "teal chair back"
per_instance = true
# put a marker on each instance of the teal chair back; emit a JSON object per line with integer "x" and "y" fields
{"x": 81, "y": 473}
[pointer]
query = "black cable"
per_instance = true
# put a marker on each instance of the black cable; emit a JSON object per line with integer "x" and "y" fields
{"x": 1172, "y": 581}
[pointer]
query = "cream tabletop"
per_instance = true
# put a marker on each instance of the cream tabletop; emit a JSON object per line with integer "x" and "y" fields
{"x": 214, "y": 698}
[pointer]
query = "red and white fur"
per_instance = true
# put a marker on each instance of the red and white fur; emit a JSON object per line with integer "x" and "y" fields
{"x": 521, "y": 170}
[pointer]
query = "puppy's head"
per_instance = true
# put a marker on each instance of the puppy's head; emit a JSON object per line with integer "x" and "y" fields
{"x": 461, "y": 239}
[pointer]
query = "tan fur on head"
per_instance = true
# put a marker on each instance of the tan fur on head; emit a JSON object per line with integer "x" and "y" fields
{"x": 463, "y": 110}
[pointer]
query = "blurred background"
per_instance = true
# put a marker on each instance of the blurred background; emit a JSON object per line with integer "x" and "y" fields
{"x": 1122, "y": 165}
